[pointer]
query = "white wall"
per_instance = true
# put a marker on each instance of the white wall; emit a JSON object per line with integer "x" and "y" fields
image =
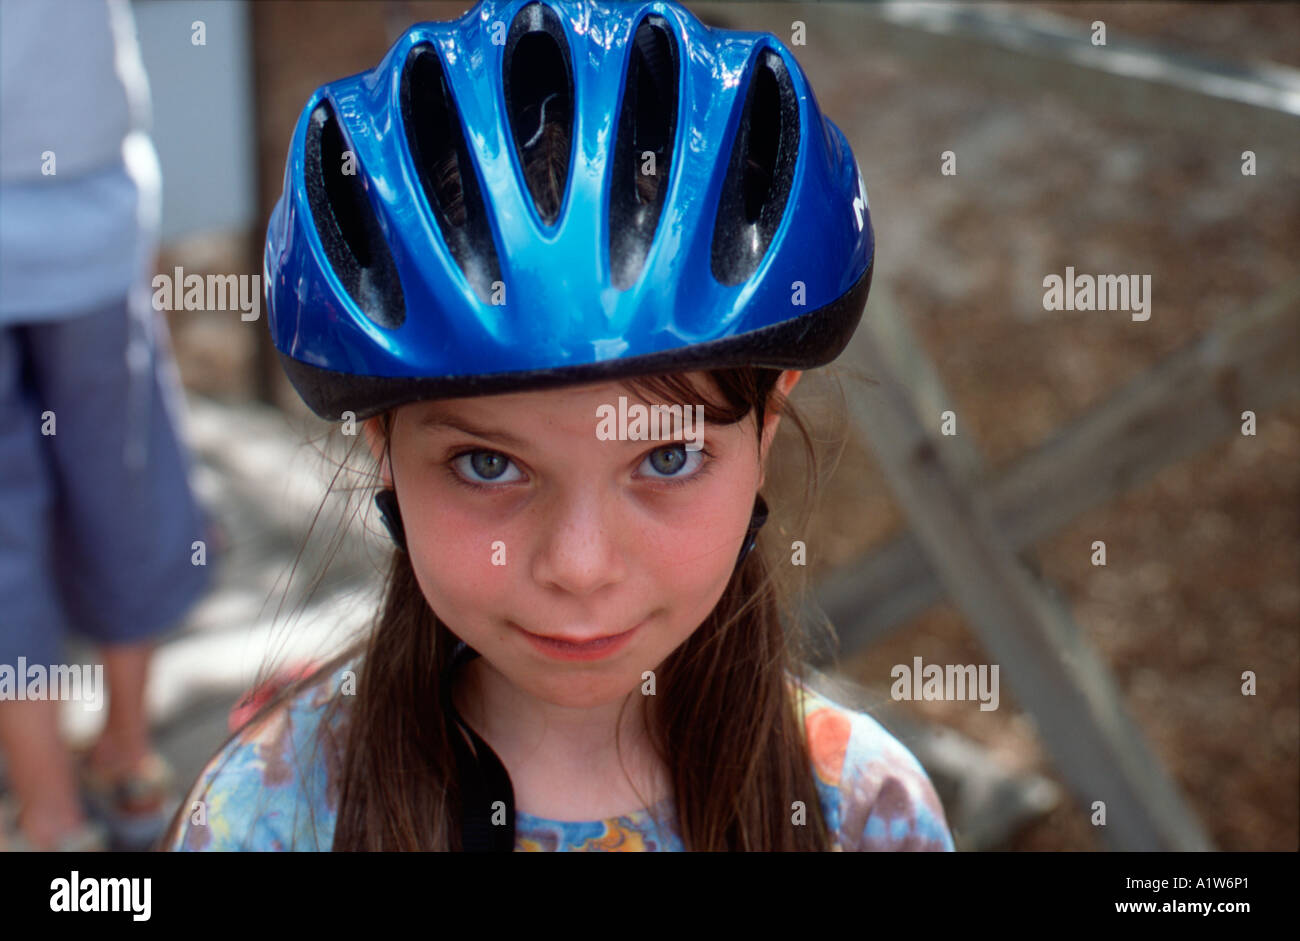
{"x": 203, "y": 125}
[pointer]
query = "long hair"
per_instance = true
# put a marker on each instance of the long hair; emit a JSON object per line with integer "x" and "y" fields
{"x": 723, "y": 719}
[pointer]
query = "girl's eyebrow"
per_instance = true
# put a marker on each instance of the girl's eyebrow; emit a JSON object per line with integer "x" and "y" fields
{"x": 436, "y": 422}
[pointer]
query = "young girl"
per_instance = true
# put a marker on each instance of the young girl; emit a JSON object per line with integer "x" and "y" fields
{"x": 496, "y": 249}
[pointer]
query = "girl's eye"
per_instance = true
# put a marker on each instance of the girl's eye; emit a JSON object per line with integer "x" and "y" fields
{"x": 672, "y": 465}
{"x": 484, "y": 467}
{"x": 670, "y": 460}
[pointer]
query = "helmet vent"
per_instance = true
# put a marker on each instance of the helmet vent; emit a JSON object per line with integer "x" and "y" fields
{"x": 537, "y": 81}
{"x": 647, "y": 124}
{"x": 446, "y": 172}
{"x": 346, "y": 222}
{"x": 759, "y": 174}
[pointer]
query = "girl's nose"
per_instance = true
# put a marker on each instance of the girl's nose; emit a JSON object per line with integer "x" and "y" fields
{"x": 581, "y": 544}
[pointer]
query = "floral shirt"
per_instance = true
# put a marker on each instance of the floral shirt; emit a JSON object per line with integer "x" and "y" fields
{"x": 274, "y": 787}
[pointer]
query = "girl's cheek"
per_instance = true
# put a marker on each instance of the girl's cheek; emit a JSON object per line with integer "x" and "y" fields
{"x": 695, "y": 545}
{"x": 452, "y": 552}
{"x": 466, "y": 565}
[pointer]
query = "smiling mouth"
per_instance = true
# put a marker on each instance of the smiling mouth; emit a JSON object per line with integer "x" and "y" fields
{"x": 576, "y": 642}
{"x": 571, "y": 648}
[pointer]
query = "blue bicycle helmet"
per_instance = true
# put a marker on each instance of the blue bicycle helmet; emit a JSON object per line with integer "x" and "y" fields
{"x": 711, "y": 216}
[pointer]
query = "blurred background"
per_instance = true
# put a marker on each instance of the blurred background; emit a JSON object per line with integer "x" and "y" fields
{"x": 1072, "y": 426}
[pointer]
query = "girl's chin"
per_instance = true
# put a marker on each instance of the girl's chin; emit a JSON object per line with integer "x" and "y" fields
{"x": 590, "y": 686}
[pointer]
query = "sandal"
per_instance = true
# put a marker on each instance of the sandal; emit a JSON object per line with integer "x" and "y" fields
{"x": 136, "y": 806}
{"x": 91, "y": 837}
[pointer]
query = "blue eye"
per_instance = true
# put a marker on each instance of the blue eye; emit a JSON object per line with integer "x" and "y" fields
{"x": 670, "y": 460}
{"x": 671, "y": 465}
{"x": 480, "y": 466}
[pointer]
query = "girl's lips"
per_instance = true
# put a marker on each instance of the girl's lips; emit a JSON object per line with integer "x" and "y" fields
{"x": 593, "y": 649}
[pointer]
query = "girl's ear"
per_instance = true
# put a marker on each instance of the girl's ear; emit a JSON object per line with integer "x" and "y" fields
{"x": 374, "y": 432}
{"x": 784, "y": 384}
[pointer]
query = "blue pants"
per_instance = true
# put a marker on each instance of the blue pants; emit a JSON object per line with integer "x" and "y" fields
{"x": 97, "y": 520}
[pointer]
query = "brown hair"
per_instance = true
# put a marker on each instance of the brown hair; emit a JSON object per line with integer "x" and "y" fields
{"x": 735, "y": 776}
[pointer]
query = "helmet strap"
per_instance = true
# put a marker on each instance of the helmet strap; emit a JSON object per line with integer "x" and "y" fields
{"x": 386, "y": 500}
{"x": 756, "y": 522}
{"x": 484, "y": 780}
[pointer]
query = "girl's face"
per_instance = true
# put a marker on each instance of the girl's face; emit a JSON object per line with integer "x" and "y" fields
{"x": 525, "y": 528}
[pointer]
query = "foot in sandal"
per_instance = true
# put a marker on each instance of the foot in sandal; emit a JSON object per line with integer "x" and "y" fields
{"x": 132, "y": 799}
{"x": 16, "y": 834}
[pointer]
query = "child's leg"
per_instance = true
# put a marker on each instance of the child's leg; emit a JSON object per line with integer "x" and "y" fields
{"x": 124, "y": 741}
{"x": 31, "y": 627}
{"x": 40, "y": 771}
{"x": 127, "y": 527}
